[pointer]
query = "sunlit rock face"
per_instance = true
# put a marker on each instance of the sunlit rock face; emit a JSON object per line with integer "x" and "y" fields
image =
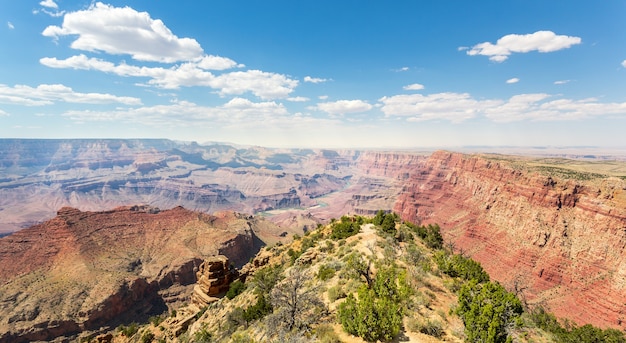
{"x": 86, "y": 270}
{"x": 559, "y": 243}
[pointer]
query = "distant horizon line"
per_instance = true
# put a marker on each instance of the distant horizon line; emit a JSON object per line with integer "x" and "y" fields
{"x": 429, "y": 147}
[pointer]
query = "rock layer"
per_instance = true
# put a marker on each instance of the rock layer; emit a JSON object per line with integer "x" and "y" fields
{"x": 214, "y": 277}
{"x": 86, "y": 270}
{"x": 556, "y": 242}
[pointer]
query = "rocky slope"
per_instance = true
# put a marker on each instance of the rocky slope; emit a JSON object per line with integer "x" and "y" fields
{"x": 559, "y": 242}
{"x": 85, "y": 270}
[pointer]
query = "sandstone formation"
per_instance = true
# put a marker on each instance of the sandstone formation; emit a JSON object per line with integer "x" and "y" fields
{"x": 560, "y": 243}
{"x": 90, "y": 270}
{"x": 214, "y": 277}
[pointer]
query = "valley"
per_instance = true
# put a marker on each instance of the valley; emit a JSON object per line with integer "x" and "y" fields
{"x": 549, "y": 227}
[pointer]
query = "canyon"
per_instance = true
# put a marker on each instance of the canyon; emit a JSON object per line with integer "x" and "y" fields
{"x": 557, "y": 242}
{"x": 84, "y": 271}
{"x": 551, "y": 232}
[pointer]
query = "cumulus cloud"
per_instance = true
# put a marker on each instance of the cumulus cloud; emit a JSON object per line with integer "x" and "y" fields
{"x": 262, "y": 84}
{"x": 47, "y": 94}
{"x": 184, "y": 113}
{"x": 298, "y": 99}
{"x": 624, "y": 64}
{"x": 413, "y": 87}
{"x": 542, "y": 41}
{"x": 455, "y": 107}
{"x": 344, "y": 106}
{"x": 211, "y": 62}
{"x": 513, "y": 80}
{"x": 458, "y": 107}
{"x": 124, "y": 31}
{"x": 10, "y": 25}
{"x": 49, "y": 4}
{"x": 314, "y": 79}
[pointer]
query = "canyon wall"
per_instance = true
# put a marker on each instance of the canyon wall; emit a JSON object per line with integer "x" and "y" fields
{"x": 559, "y": 243}
{"x": 38, "y": 177}
{"x": 81, "y": 271}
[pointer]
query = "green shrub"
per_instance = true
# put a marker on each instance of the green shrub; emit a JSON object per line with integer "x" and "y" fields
{"x": 129, "y": 330}
{"x": 240, "y": 337}
{"x": 336, "y": 292}
{"x": 427, "y": 327}
{"x": 459, "y": 266}
{"x": 147, "y": 337}
{"x": 378, "y": 311}
{"x": 325, "y": 272}
{"x": 346, "y": 227}
{"x": 203, "y": 335}
{"x": 266, "y": 278}
{"x": 583, "y": 334}
{"x": 236, "y": 287}
{"x": 260, "y": 309}
{"x": 487, "y": 310}
{"x": 370, "y": 317}
{"x": 155, "y": 320}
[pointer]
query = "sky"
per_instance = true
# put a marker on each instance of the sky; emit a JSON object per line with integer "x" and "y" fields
{"x": 319, "y": 74}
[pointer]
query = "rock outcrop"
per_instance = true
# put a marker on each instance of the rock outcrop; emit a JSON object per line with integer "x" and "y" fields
{"x": 560, "y": 243}
{"x": 83, "y": 271}
{"x": 214, "y": 277}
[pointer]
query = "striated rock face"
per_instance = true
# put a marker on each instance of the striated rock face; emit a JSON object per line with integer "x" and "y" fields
{"x": 37, "y": 177}
{"x": 86, "y": 270}
{"x": 558, "y": 243}
{"x": 214, "y": 277}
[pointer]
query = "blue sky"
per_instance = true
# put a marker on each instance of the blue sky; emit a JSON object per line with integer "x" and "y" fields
{"x": 369, "y": 74}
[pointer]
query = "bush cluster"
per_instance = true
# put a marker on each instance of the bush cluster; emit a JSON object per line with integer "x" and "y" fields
{"x": 572, "y": 333}
{"x": 378, "y": 311}
{"x": 346, "y": 227}
{"x": 459, "y": 266}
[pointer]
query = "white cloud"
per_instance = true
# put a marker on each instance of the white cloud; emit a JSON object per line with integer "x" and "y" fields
{"x": 10, "y": 25}
{"x": 624, "y": 64}
{"x": 3, "y": 114}
{"x": 561, "y": 82}
{"x": 513, "y": 80}
{"x": 413, "y": 87}
{"x": 184, "y": 113}
{"x": 46, "y": 94}
{"x": 117, "y": 30}
{"x": 211, "y": 62}
{"x": 344, "y": 106}
{"x": 298, "y": 99}
{"x": 533, "y": 107}
{"x": 323, "y": 97}
{"x": 454, "y": 107}
{"x": 542, "y": 41}
{"x": 314, "y": 79}
{"x": 457, "y": 107}
{"x": 262, "y": 84}
{"x": 401, "y": 69}
{"x": 49, "y": 4}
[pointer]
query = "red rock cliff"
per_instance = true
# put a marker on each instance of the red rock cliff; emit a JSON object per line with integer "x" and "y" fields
{"x": 560, "y": 243}
{"x": 86, "y": 270}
